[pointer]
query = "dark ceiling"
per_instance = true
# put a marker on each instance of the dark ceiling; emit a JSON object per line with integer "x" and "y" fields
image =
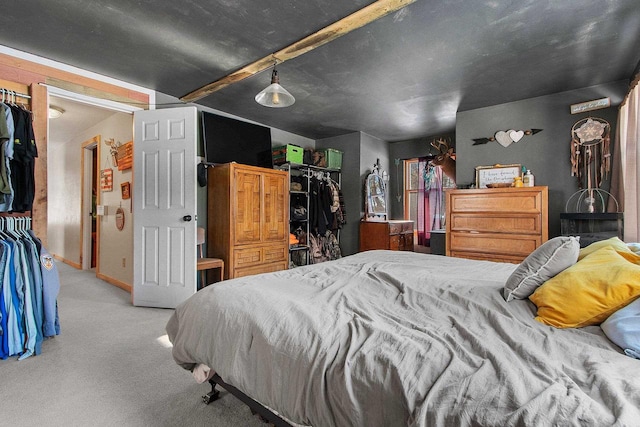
{"x": 401, "y": 77}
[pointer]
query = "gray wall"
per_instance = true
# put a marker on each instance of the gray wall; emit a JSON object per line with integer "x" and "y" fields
{"x": 546, "y": 153}
{"x": 350, "y": 146}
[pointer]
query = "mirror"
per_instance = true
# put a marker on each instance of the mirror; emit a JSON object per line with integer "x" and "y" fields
{"x": 376, "y": 195}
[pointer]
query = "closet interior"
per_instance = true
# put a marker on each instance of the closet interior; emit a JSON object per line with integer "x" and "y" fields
{"x": 30, "y": 282}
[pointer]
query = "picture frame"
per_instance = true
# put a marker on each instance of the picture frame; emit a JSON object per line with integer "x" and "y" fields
{"x": 106, "y": 180}
{"x": 497, "y": 175}
{"x": 125, "y": 187}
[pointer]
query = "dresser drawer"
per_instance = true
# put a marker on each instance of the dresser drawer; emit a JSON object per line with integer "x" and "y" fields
{"x": 395, "y": 228}
{"x": 246, "y": 257}
{"x": 394, "y": 242}
{"x": 275, "y": 253}
{"x": 497, "y": 223}
{"x": 250, "y": 256}
{"x": 265, "y": 268}
{"x": 488, "y": 257}
{"x": 408, "y": 241}
{"x": 492, "y": 243}
{"x": 513, "y": 202}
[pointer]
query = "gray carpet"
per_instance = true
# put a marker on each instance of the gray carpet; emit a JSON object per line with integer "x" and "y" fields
{"x": 107, "y": 368}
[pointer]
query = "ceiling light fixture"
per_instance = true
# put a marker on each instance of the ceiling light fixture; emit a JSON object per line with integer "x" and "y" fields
{"x": 55, "y": 112}
{"x": 274, "y": 95}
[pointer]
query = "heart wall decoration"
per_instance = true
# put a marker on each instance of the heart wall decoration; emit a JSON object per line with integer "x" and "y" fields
{"x": 506, "y": 138}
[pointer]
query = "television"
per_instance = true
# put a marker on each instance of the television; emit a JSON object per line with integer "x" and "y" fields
{"x": 228, "y": 140}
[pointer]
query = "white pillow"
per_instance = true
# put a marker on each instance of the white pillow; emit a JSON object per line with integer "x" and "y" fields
{"x": 552, "y": 257}
{"x": 623, "y": 328}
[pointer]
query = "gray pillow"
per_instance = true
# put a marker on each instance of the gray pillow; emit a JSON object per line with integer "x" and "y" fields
{"x": 552, "y": 257}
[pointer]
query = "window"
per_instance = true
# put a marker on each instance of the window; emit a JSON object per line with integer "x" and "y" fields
{"x": 411, "y": 185}
{"x": 411, "y": 190}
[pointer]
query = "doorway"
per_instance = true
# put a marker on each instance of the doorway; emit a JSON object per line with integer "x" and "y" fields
{"x": 75, "y": 138}
{"x": 89, "y": 252}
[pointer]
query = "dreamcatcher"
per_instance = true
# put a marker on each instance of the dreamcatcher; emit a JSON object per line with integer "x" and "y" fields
{"x": 590, "y": 163}
{"x": 590, "y": 151}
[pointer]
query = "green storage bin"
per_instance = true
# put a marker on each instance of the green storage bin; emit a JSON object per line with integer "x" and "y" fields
{"x": 334, "y": 158}
{"x": 287, "y": 153}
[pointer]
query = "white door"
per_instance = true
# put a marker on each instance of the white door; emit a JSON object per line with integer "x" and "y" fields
{"x": 164, "y": 206}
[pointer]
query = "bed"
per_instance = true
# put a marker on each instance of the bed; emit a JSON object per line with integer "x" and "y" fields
{"x": 385, "y": 338}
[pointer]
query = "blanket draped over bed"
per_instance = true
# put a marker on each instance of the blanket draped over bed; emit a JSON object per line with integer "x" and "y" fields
{"x": 386, "y": 338}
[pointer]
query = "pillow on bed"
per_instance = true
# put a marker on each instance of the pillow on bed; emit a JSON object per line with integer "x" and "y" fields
{"x": 590, "y": 290}
{"x": 615, "y": 242}
{"x": 552, "y": 257}
{"x": 623, "y": 328}
{"x": 634, "y": 247}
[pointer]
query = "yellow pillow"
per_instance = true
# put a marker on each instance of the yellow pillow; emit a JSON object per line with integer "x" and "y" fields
{"x": 590, "y": 290}
{"x": 615, "y": 242}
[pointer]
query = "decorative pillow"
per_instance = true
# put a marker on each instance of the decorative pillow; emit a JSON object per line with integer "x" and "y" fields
{"x": 590, "y": 290}
{"x": 623, "y": 328}
{"x": 634, "y": 247}
{"x": 615, "y": 242}
{"x": 552, "y": 257}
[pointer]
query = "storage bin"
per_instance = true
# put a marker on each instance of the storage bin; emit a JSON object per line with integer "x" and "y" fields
{"x": 287, "y": 153}
{"x": 333, "y": 158}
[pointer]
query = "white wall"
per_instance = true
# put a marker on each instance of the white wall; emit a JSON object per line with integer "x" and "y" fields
{"x": 116, "y": 247}
{"x": 64, "y": 200}
{"x": 63, "y": 196}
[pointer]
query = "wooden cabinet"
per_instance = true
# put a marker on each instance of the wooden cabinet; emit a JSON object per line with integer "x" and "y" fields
{"x": 394, "y": 235}
{"x": 248, "y": 218}
{"x": 496, "y": 224}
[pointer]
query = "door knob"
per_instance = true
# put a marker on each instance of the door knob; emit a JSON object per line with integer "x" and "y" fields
{"x": 186, "y": 218}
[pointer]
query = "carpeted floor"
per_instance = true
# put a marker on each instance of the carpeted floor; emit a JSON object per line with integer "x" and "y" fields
{"x": 110, "y": 366}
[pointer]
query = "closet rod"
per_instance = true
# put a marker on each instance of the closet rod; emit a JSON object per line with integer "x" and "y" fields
{"x": 14, "y": 93}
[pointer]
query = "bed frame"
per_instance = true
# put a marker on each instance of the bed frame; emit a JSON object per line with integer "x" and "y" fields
{"x": 263, "y": 412}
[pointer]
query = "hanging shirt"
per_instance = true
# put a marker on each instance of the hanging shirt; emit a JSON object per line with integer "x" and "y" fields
{"x": 22, "y": 165}
{"x": 30, "y": 330}
{"x": 33, "y": 256}
{"x": 12, "y": 301}
{"x": 50, "y": 289}
{"x": 6, "y": 199}
{"x": 4, "y": 335}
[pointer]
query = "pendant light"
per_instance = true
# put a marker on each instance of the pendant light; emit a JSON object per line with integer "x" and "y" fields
{"x": 274, "y": 95}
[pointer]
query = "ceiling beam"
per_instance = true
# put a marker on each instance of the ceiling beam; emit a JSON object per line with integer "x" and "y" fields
{"x": 358, "y": 19}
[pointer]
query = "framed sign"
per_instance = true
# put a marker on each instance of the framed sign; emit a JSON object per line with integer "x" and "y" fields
{"x": 125, "y": 156}
{"x": 497, "y": 175}
{"x": 125, "y": 187}
{"x": 590, "y": 105}
{"x": 106, "y": 180}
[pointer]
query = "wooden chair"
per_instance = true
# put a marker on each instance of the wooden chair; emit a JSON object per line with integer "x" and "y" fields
{"x": 204, "y": 264}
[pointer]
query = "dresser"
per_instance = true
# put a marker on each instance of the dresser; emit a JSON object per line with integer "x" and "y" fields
{"x": 496, "y": 224}
{"x": 396, "y": 235}
{"x": 248, "y": 218}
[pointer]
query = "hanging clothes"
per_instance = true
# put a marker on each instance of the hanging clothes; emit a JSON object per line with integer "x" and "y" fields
{"x": 326, "y": 217}
{"x": 28, "y": 294}
{"x": 430, "y": 200}
{"x": 25, "y": 152}
{"x": 18, "y": 151}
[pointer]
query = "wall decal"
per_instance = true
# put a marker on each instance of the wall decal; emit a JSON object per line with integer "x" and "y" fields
{"x": 506, "y": 138}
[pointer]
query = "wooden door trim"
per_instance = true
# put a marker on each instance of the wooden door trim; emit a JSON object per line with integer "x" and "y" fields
{"x": 86, "y": 145}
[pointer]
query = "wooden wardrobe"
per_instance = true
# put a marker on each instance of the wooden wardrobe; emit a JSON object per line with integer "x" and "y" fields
{"x": 248, "y": 218}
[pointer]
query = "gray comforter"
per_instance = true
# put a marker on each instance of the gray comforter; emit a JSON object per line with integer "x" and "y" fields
{"x": 387, "y": 338}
